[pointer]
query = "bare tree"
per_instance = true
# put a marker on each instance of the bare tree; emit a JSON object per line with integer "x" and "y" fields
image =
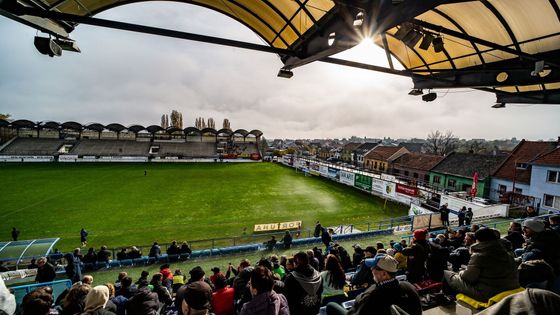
{"x": 211, "y": 123}
{"x": 164, "y": 121}
{"x": 440, "y": 143}
{"x": 226, "y": 124}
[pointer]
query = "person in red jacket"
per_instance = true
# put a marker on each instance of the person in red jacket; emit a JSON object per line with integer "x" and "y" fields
{"x": 222, "y": 299}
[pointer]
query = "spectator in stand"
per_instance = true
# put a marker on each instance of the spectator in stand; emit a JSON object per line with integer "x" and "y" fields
{"x": 541, "y": 244}
{"x": 313, "y": 261}
{"x": 197, "y": 299}
{"x": 37, "y": 302}
{"x": 215, "y": 273}
{"x": 400, "y": 258}
{"x": 74, "y": 302}
{"x": 462, "y": 255}
{"x": 444, "y": 215}
{"x": 15, "y": 234}
{"x": 32, "y": 264}
{"x": 155, "y": 251}
{"x": 303, "y": 287}
{"x": 7, "y": 299}
{"x": 386, "y": 292}
{"x": 45, "y": 271}
{"x": 83, "y": 237}
{"x": 491, "y": 269}
{"x": 289, "y": 265}
{"x": 437, "y": 260}
{"x": 122, "y": 255}
{"x": 121, "y": 276}
{"x": 73, "y": 267}
{"x": 417, "y": 255}
{"x": 318, "y": 253}
{"x": 134, "y": 253}
{"x": 529, "y": 212}
{"x": 277, "y": 268}
{"x": 103, "y": 255}
{"x": 173, "y": 250}
{"x": 222, "y": 299}
{"x": 163, "y": 294}
{"x": 318, "y": 229}
{"x": 270, "y": 244}
{"x": 357, "y": 256}
{"x": 326, "y": 238}
{"x": 143, "y": 277}
{"x": 111, "y": 306}
{"x": 265, "y": 301}
{"x": 87, "y": 279}
{"x": 344, "y": 258}
{"x": 90, "y": 257}
{"x": 333, "y": 277}
{"x": 363, "y": 276}
{"x": 554, "y": 221}
{"x": 461, "y": 216}
{"x": 185, "y": 249}
{"x": 179, "y": 279}
{"x": 144, "y": 302}
{"x": 287, "y": 240}
{"x": 457, "y": 238}
{"x": 96, "y": 299}
{"x": 127, "y": 289}
{"x": 515, "y": 235}
{"x": 474, "y": 228}
{"x": 469, "y": 216}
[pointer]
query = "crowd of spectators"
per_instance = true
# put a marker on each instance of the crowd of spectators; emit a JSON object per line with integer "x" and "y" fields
{"x": 475, "y": 261}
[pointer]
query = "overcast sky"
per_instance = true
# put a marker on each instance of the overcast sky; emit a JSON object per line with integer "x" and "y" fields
{"x": 134, "y": 78}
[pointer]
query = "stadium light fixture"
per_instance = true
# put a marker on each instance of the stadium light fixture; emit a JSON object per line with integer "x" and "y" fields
{"x": 403, "y": 31}
{"x": 412, "y": 38}
{"x": 416, "y": 92}
{"x": 438, "y": 44}
{"x": 359, "y": 20}
{"x": 68, "y": 45}
{"x": 285, "y": 73}
{"x": 499, "y": 105}
{"x": 47, "y": 46}
{"x": 426, "y": 41}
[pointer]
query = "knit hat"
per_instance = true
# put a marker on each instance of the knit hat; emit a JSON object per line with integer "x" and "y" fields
{"x": 371, "y": 249}
{"x": 196, "y": 273}
{"x": 420, "y": 234}
{"x": 96, "y": 298}
{"x": 398, "y": 247}
{"x": 198, "y": 295}
{"x": 534, "y": 225}
{"x": 384, "y": 262}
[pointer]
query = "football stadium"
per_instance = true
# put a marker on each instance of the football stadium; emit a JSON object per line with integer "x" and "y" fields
{"x": 146, "y": 219}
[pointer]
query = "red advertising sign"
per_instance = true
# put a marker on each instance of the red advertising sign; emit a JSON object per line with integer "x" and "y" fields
{"x": 406, "y": 190}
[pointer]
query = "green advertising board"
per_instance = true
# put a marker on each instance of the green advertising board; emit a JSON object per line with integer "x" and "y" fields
{"x": 362, "y": 182}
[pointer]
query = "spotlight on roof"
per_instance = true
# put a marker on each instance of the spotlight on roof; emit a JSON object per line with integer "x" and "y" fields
{"x": 429, "y": 97}
{"x": 412, "y": 38}
{"x": 284, "y": 73}
{"x": 47, "y": 46}
{"x": 68, "y": 45}
{"x": 438, "y": 44}
{"x": 403, "y": 31}
{"x": 359, "y": 20}
{"x": 426, "y": 41}
{"x": 499, "y": 105}
{"x": 415, "y": 92}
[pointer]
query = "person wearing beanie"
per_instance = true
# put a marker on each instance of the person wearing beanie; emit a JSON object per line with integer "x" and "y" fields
{"x": 541, "y": 244}
{"x": 96, "y": 300}
{"x": 417, "y": 254}
{"x": 387, "y": 291}
{"x": 491, "y": 269}
{"x": 402, "y": 259}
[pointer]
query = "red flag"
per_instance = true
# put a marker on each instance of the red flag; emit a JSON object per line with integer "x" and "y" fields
{"x": 474, "y": 183}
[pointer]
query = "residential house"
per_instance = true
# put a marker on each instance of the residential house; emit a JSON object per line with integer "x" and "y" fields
{"x": 413, "y": 147}
{"x": 381, "y": 158}
{"x": 545, "y": 181}
{"x": 415, "y": 167}
{"x": 514, "y": 175}
{"x": 455, "y": 172}
{"x": 361, "y": 151}
{"x": 324, "y": 153}
{"x": 348, "y": 152}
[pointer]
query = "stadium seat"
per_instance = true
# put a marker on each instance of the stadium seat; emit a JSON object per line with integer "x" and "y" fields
{"x": 114, "y": 263}
{"x": 139, "y": 261}
{"x": 126, "y": 262}
{"x": 474, "y": 304}
{"x": 101, "y": 265}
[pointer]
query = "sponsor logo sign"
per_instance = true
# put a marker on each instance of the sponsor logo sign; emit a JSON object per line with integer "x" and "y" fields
{"x": 363, "y": 182}
{"x": 406, "y": 190}
{"x": 292, "y": 225}
{"x": 333, "y": 173}
{"x": 346, "y": 177}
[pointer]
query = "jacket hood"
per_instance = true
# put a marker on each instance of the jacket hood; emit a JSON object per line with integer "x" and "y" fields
{"x": 265, "y": 303}
{"x": 309, "y": 279}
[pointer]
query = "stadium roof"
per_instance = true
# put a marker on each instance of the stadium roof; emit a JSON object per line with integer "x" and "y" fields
{"x": 508, "y": 47}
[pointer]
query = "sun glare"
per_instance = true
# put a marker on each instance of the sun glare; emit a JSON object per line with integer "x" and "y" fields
{"x": 367, "y": 52}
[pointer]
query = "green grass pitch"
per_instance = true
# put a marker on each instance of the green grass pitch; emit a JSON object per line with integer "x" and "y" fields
{"x": 119, "y": 206}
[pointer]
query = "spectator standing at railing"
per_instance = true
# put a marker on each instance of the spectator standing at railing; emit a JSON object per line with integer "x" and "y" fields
{"x": 469, "y": 216}
{"x": 461, "y": 216}
{"x": 15, "y": 234}
{"x": 444, "y": 214}
{"x": 155, "y": 251}
{"x": 318, "y": 229}
{"x": 287, "y": 240}
{"x": 73, "y": 267}
{"x": 45, "y": 271}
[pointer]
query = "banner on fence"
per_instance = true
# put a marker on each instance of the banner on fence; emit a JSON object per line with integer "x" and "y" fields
{"x": 377, "y": 185}
{"x": 314, "y": 169}
{"x": 292, "y": 225}
{"x": 347, "y": 178}
{"x": 389, "y": 190}
{"x": 324, "y": 170}
{"x": 333, "y": 173}
{"x": 362, "y": 182}
{"x": 407, "y": 190}
{"x": 416, "y": 210}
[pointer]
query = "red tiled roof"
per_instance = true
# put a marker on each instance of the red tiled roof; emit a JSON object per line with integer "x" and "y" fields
{"x": 382, "y": 153}
{"x": 550, "y": 158}
{"x": 418, "y": 161}
{"x": 524, "y": 152}
{"x": 351, "y": 146}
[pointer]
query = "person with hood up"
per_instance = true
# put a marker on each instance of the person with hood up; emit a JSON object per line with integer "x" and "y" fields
{"x": 144, "y": 302}
{"x": 7, "y": 299}
{"x": 73, "y": 267}
{"x": 303, "y": 287}
{"x": 96, "y": 300}
{"x": 265, "y": 301}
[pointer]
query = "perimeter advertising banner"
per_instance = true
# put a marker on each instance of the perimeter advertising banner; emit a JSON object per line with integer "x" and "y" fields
{"x": 416, "y": 210}
{"x": 377, "y": 185}
{"x": 324, "y": 170}
{"x": 389, "y": 190}
{"x": 333, "y": 173}
{"x": 363, "y": 182}
{"x": 406, "y": 190}
{"x": 314, "y": 169}
{"x": 346, "y": 178}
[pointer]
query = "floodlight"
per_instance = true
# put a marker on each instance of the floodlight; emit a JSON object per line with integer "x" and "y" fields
{"x": 415, "y": 92}
{"x": 47, "y": 46}
{"x": 359, "y": 20}
{"x": 539, "y": 67}
{"x": 331, "y": 39}
{"x": 403, "y": 31}
{"x": 284, "y": 73}
{"x": 412, "y": 38}
{"x": 438, "y": 44}
{"x": 429, "y": 97}
{"x": 499, "y": 105}
{"x": 69, "y": 45}
{"x": 426, "y": 41}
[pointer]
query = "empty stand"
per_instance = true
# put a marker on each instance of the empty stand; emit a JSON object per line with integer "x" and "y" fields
{"x": 33, "y": 146}
{"x": 187, "y": 149}
{"x": 111, "y": 148}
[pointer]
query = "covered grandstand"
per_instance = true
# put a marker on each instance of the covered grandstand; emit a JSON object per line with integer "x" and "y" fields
{"x": 72, "y": 141}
